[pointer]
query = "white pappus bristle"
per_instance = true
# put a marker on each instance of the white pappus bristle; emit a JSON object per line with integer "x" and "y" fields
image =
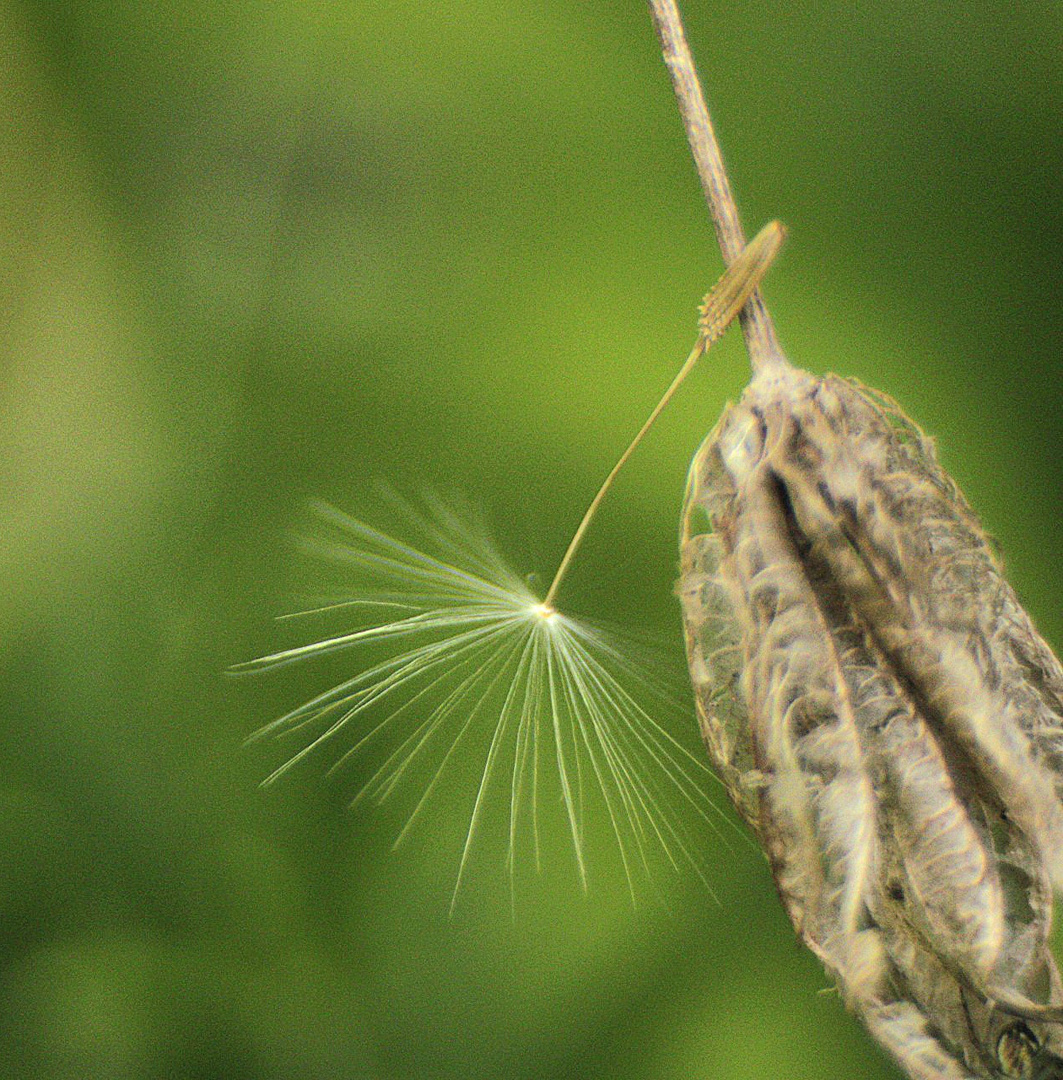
{"x": 453, "y": 654}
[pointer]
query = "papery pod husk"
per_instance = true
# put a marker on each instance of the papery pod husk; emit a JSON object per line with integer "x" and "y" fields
{"x": 884, "y": 715}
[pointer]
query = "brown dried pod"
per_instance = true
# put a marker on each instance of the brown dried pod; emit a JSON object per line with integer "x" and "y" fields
{"x": 864, "y": 714}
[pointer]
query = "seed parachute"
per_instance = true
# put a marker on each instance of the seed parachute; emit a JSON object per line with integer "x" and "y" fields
{"x": 468, "y": 660}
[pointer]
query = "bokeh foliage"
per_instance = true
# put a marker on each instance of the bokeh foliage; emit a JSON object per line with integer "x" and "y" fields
{"x": 254, "y": 252}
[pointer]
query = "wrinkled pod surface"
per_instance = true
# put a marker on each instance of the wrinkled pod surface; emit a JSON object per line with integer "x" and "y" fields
{"x": 884, "y": 715}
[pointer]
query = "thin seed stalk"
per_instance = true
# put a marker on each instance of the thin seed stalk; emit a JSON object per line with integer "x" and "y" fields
{"x": 718, "y": 310}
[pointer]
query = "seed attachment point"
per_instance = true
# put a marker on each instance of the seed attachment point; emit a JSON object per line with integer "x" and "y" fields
{"x": 546, "y": 612}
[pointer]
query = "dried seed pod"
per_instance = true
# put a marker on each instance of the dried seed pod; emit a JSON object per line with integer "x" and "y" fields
{"x": 884, "y": 715}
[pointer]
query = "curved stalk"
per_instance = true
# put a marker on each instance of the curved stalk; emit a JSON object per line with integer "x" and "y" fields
{"x": 718, "y": 310}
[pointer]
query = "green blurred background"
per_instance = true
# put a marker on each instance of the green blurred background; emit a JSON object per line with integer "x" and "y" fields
{"x": 255, "y": 252}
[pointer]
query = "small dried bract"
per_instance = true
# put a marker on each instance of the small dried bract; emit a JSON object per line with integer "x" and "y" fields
{"x": 885, "y": 716}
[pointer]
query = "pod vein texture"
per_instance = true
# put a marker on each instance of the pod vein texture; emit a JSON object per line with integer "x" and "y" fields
{"x": 885, "y": 717}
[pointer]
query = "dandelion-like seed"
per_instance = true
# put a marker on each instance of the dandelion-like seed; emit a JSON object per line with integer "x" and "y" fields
{"x": 471, "y": 655}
